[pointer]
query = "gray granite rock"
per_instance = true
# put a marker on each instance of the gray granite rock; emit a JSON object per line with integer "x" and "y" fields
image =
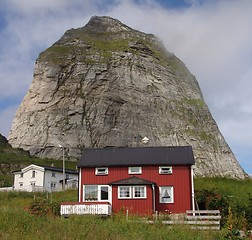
{"x": 106, "y": 84}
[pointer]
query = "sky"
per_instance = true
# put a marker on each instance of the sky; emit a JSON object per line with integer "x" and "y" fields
{"x": 212, "y": 37}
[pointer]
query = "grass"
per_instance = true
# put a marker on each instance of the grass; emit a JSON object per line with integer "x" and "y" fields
{"x": 235, "y": 190}
{"x": 18, "y": 223}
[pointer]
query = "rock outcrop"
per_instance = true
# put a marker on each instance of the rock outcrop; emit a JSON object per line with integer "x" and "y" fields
{"x": 106, "y": 84}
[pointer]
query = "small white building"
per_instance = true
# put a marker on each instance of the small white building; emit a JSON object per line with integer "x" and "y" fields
{"x": 34, "y": 178}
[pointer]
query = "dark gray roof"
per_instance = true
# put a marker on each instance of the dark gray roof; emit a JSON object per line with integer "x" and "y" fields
{"x": 55, "y": 169}
{"x": 70, "y": 171}
{"x": 132, "y": 181}
{"x": 136, "y": 156}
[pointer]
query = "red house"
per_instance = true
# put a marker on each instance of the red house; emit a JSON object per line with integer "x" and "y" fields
{"x": 142, "y": 180}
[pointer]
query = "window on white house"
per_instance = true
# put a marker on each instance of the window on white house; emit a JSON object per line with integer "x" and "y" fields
{"x": 101, "y": 171}
{"x": 67, "y": 176}
{"x": 21, "y": 184}
{"x": 165, "y": 170}
{"x": 33, "y": 185}
{"x": 96, "y": 193}
{"x": 33, "y": 174}
{"x": 166, "y": 194}
{"x": 53, "y": 174}
{"x": 53, "y": 185}
{"x": 21, "y": 174}
{"x": 135, "y": 170}
{"x": 131, "y": 192}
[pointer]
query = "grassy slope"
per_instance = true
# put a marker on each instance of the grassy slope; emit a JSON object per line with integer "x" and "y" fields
{"x": 16, "y": 223}
{"x": 14, "y": 159}
{"x": 236, "y": 191}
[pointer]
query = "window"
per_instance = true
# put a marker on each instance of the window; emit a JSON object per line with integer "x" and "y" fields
{"x": 96, "y": 193}
{"x": 21, "y": 184}
{"x": 53, "y": 174}
{"x": 33, "y": 186}
{"x": 101, "y": 171}
{"x": 135, "y": 170}
{"x": 67, "y": 176}
{"x": 33, "y": 174}
{"x": 104, "y": 193}
{"x": 21, "y": 174}
{"x": 139, "y": 192}
{"x": 131, "y": 192}
{"x": 53, "y": 185}
{"x": 165, "y": 170}
{"x": 166, "y": 194}
{"x": 124, "y": 192}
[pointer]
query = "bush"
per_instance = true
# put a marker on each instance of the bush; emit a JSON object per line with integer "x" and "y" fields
{"x": 211, "y": 200}
{"x": 42, "y": 207}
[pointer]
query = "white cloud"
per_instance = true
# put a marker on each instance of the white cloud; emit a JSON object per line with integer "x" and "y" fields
{"x": 213, "y": 38}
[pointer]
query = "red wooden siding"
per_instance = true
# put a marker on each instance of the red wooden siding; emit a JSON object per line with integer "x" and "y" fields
{"x": 180, "y": 179}
{"x": 135, "y": 206}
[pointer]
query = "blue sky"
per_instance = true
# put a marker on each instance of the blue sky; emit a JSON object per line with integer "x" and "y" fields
{"x": 212, "y": 37}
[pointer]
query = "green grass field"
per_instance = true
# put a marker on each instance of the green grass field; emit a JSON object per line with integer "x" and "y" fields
{"x": 18, "y": 223}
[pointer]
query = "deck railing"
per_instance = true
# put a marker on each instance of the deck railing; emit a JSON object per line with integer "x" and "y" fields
{"x": 81, "y": 208}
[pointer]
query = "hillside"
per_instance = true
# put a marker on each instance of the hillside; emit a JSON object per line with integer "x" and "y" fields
{"x": 20, "y": 224}
{"x": 12, "y": 159}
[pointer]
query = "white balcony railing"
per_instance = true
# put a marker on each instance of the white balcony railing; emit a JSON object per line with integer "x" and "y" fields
{"x": 78, "y": 208}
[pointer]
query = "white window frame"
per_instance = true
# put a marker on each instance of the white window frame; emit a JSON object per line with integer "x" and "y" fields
{"x": 165, "y": 170}
{"x": 170, "y": 191}
{"x": 53, "y": 174}
{"x": 132, "y": 191}
{"x": 119, "y": 191}
{"x": 101, "y": 171}
{"x": 53, "y": 185}
{"x": 98, "y": 193}
{"x": 33, "y": 174}
{"x": 21, "y": 175}
{"x": 135, "y": 172}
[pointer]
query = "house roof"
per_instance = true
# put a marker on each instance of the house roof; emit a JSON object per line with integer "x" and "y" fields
{"x": 136, "y": 156}
{"x": 60, "y": 170}
{"x": 54, "y": 169}
{"x": 132, "y": 181}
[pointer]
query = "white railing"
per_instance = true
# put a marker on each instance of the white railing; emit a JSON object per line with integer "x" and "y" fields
{"x": 6, "y": 189}
{"x": 203, "y": 219}
{"x": 94, "y": 209}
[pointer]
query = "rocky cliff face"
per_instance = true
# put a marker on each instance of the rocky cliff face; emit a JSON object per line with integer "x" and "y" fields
{"x": 106, "y": 84}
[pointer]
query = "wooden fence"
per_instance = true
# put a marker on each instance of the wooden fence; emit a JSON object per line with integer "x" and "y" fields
{"x": 197, "y": 219}
{"x": 203, "y": 219}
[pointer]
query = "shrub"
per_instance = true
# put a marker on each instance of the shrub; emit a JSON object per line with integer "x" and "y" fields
{"x": 42, "y": 207}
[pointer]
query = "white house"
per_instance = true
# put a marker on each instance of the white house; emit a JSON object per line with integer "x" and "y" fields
{"x": 44, "y": 178}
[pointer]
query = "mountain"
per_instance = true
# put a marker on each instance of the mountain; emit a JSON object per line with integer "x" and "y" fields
{"x": 3, "y": 141}
{"x": 106, "y": 84}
